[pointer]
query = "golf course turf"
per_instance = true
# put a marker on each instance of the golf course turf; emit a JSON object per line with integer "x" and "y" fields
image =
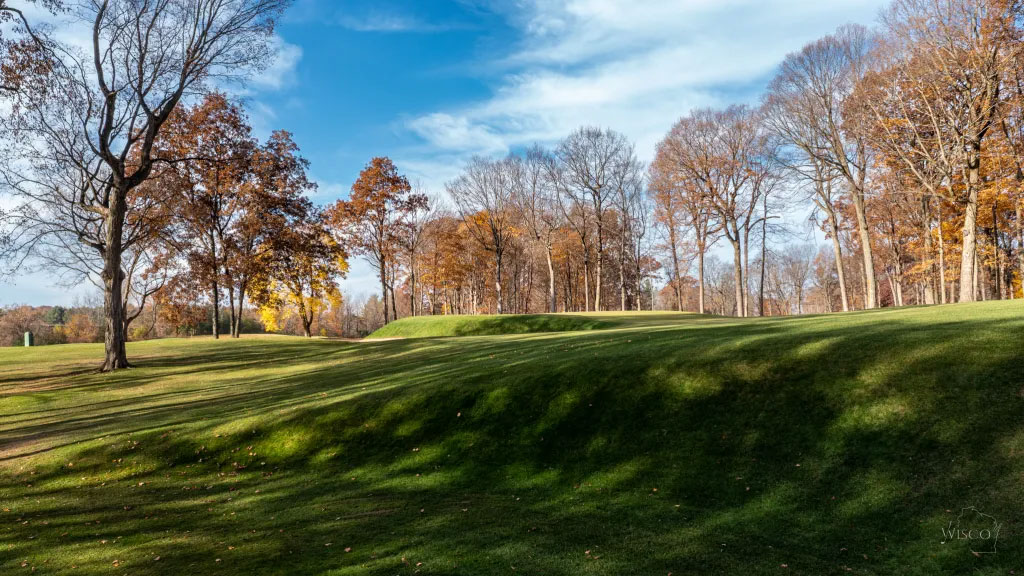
{"x": 649, "y": 443}
{"x": 438, "y": 326}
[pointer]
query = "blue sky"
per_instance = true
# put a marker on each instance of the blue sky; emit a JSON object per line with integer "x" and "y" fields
{"x": 432, "y": 82}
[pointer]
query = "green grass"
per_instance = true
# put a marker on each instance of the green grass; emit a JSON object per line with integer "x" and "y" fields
{"x": 437, "y": 326}
{"x": 663, "y": 443}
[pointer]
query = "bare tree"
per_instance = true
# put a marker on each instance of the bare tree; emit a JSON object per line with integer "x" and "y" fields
{"x": 640, "y": 220}
{"x": 100, "y": 113}
{"x": 725, "y": 155}
{"x": 807, "y": 106}
{"x": 591, "y": 161}
{"x": 683, "y": 174}
{"x": 628, "y": 186}
{"x": 576, "y": 211}
{"x": 412, "y": 238}
{"x": 536, "y": 202}
{"x": 668, "y": 215}
{"x": 797, "y": 264}
{"x": 485, "y": 197}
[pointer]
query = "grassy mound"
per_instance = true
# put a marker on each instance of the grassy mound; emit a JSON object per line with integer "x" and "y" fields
{"x": 440, "y": 326}
{"x": 828, "y": 445}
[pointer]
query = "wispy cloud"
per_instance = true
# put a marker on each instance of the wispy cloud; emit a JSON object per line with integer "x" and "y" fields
{"x": 380, "y": 21}
{"x": 632, "y": 65}
{"x": 280, "y": 72}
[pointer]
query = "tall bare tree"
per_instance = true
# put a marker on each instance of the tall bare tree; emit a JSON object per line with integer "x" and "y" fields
{"x": 592, "y": 161}
{"x": 628, "y": 186}
{"x": 797, "y": 262}
{"x": 725, "y": 156}
{"x": 485, "y": 196}
{"x": 644, "y": 266}
{"x": 669, "y": 216}
{"x": 412, "y": 236}
{"x": 537, "y": 205}
{"x": 807, "y": 106}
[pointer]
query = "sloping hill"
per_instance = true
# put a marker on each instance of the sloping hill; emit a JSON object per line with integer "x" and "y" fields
{"x": 828, "y": 445}
{"x": 442, "y": 326}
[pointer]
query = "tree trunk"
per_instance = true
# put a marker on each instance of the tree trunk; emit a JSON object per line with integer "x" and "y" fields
{"x": 746, "y": 270}
{"x": 738, "y": 274}
{"x": 639, "y": 280}
{"x": 552, "y": 303}
{"x": 837, "y": 250}
{"x": 942, "y": 261}
{"x": 384, "y": 290}
{"x": 929, "y": 284}
{"x": 1020, "y": 248}
{"x": 622, "y": 274}
{"x": 412, "y": 287}
{"x": 764, "y": 256}
{"x": 586, "y": 281}
{"x": 497, "y": 278}
{"x": 600, "y": 265}
{"x": 231, "y": 307}
{"x": 968, "y": 273}
{"x": 700, "y": 280}
{"x": 675, "y": 271}
{"x": 394, "y": 303}
{"x": 237, "y": 333}
{"x": 115, "y": 355}
{"x": 870, "y": 293}
{"x": 214, "y": 285}
{"x": 215, "y": 299}
{"x": 999, "y": 289}
{"x": 898, "y": 281}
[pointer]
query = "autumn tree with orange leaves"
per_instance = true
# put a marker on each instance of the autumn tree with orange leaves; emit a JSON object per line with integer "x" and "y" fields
{"x": 212, "y": 177}
{"x": 373, "y": 220}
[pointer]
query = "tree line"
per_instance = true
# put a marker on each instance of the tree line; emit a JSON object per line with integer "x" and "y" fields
{"x": 904, "y": 139}
{"x": 131, "y": 169}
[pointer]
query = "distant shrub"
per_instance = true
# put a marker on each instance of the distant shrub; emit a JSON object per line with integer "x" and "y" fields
{"x": 81, "y": 329}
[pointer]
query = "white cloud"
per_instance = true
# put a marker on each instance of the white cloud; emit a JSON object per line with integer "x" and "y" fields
{"x": 380, "y": 23}
{"x": 386, "y": 21}
{"x": 447, "y": 132}
{"x": 281, "y": 72}
{"x": 631, "y": 65}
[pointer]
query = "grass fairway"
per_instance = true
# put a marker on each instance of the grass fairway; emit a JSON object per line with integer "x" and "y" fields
{"x": 662, "y": 444}
{"x": 439, "y": 326}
